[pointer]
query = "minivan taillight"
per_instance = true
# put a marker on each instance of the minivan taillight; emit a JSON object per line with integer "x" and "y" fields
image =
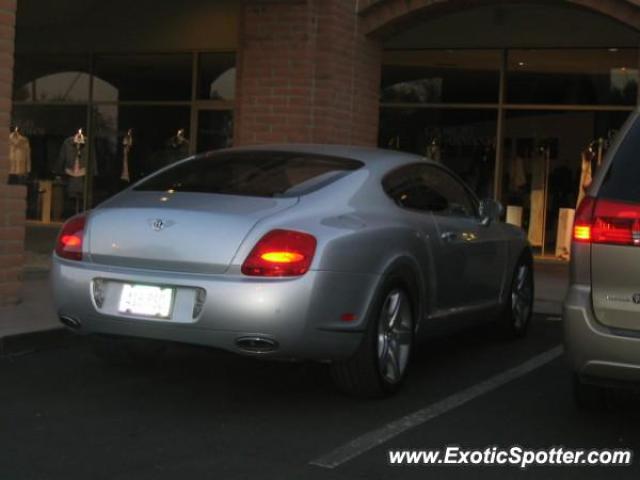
{"x": 281, "y": 253}
{"x": 607, "y": 222}
{"x": 70, "y": 239}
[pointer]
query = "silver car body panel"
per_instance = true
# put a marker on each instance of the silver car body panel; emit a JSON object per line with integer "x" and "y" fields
{"x": 362, "y": 236}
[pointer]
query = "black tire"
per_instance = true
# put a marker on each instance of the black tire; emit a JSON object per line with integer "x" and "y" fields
{"x": 363, "y": 374}
{"x": 123, "y": 351}
{"x": 588, "y": 396}
{"x": 517, "y": 313}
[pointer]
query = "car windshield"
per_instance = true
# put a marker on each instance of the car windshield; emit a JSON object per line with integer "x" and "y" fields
{"x": 258, "y": 174}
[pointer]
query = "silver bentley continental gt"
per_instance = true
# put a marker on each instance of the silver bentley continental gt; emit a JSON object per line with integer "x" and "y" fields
{"x": 342, "y": 255}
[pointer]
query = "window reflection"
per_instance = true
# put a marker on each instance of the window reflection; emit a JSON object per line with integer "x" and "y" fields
{"x": 59, "y": 78}
{"x": 217, "y": 76}
{"x": 586, "y": 76}
{"x": 441, "y": 76}
{"x": 159, "y": 77}
{"x": 463, "y": 140}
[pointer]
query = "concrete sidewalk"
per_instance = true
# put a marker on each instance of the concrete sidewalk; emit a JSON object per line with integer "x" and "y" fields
{"x": 36, "y": 314}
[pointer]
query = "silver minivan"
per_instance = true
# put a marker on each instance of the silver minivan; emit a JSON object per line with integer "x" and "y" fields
{"x": 602, "y": 307}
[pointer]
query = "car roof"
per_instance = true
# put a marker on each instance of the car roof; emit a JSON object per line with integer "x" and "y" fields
{"x": 373, "y": 158}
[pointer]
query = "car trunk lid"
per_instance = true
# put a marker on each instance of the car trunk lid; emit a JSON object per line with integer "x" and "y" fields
{"x": 185, "y": 232}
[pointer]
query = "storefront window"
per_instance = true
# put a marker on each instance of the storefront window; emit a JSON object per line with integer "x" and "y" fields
{"x": 145, "y": 115}
{"x": 216, "y": 76}
{"x": 134, "y": 141}
{"x": 51, "y": 78}
{"x": 543, "y": 174}
{"x": 160, "y": 77}
{"x": 573, "y": 76}
{"x": 463, "y": 140}
{"x": 441, "y": 76}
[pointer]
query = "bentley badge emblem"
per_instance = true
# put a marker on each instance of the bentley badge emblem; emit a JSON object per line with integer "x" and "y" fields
{"x": 159, "y": 224}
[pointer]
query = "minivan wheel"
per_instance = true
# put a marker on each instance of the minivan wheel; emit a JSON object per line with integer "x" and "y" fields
{"x": 518, "y": 307}
{"x": 588, "y": 396}
{"x": 380, "y": 365}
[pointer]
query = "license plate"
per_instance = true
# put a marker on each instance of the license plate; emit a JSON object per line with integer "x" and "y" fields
{"x": 146, "y": 300}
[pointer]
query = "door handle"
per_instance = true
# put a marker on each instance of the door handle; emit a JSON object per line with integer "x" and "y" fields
{"x": 449, "y": 236}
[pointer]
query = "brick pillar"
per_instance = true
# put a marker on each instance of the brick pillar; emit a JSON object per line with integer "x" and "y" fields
{"x": 12, "y": 198}
{"x": 306, "y": 74}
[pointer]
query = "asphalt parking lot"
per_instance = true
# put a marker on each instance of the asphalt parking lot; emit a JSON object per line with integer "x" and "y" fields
{"x": 206, "y": 414}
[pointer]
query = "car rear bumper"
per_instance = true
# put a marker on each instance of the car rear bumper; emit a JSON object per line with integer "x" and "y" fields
{"x": 596, "y": 352}
{"x": 300, "y": 318}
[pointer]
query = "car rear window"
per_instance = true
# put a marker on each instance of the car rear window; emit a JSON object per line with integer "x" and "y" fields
{"x": 622, "y": 181}
{"x": 256, "y": 174}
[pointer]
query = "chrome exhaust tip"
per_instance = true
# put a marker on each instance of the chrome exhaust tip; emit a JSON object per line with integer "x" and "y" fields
{"x": 70, "y": 322}
{"x": 256, "y": 344}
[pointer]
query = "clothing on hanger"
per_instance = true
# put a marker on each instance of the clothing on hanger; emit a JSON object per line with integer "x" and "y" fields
{"x": 19, "y": 154}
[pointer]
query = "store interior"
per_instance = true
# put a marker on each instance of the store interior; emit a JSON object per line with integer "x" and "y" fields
{"x": 523, "y": 107}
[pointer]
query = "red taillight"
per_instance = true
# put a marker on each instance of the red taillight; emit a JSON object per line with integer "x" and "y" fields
{"x": 607, "y": 222}
{"x": 281, "y": 253}
{"x": 69, "y": 244}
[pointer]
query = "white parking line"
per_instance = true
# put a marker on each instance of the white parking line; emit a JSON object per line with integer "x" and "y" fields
{"x": 377, "y": 437}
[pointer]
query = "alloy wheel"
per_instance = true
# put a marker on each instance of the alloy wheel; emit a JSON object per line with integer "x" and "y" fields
{"x": 522, "y": 297}
{"x": 395, "y": 334}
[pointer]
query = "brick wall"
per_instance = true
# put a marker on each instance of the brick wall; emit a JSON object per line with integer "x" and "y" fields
{"x": 306, "y": 74}
{"x": 12, "y": 198}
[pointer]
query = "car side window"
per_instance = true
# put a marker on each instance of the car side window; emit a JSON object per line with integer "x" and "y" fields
{"x": 458, "y": 200}
{"x": 428, "y": 188}
{"x": 407, "y": 189}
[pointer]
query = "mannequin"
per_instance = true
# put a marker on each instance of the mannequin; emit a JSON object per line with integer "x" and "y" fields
{"x": 433, "y": 151}
{"x": 72, "y": 161}
{"x": 127, "y": 144}
{"x": 484, "y": 162}
{"x": 179, "y": 139}
{"x": 591, "y": 159}
{"x": 77, "y": 169}
{"x": 586, "y": 176}
{"x": 19, "y": 154}
{"x": 178, "y": 147}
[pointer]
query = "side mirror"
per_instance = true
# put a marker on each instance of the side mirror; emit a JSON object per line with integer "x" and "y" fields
{"x": 490, "y": 211}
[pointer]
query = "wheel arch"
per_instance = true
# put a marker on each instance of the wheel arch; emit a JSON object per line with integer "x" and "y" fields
{"x": 408, "y": 270}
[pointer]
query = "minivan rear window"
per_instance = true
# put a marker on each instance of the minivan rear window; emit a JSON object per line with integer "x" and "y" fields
{"x": 256, "y": 174}
{"x": 622, "y": 181}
